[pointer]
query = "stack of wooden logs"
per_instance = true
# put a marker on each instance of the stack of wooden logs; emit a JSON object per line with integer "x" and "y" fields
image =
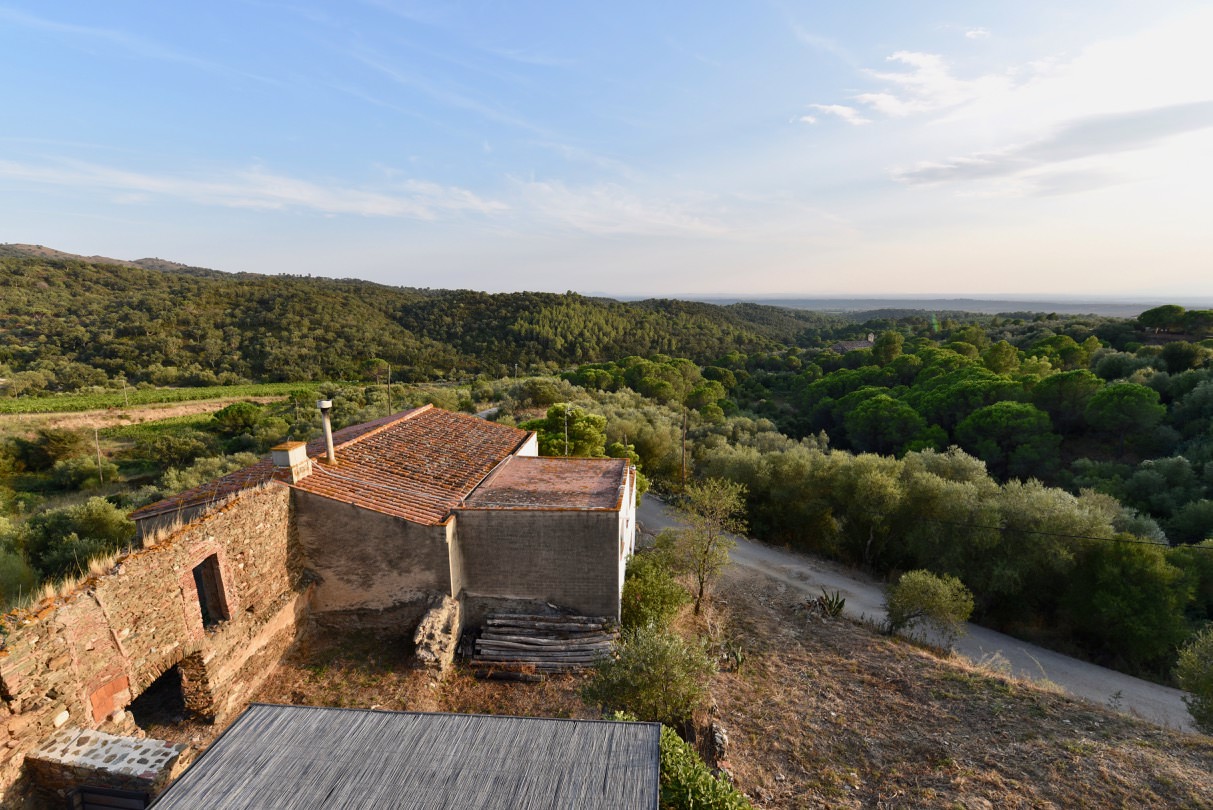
{"x": 522, "y": 643}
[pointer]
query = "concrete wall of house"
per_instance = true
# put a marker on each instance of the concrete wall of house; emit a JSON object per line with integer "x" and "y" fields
{"x": 371, "y": 569}
{"x": 569, "y": 558}
{"x": 81, "y": 658}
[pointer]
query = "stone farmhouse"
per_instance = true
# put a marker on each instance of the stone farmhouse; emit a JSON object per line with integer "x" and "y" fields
{"x": 426, "y": 517}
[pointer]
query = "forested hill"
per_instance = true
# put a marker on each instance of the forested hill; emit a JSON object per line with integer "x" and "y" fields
{"x": 69, "y": 323}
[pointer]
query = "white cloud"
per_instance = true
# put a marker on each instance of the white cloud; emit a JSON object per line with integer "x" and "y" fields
{"x": 1086, "y": 138}
{"x": 977, "y": 33}
{"x": 926, "y": 86}
{"x": 257, "y": 189}
{"x": 849, "y": 114}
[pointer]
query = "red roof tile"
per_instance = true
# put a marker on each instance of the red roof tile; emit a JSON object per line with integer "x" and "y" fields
{"x": 415, "y": 465}
{"x": 553, "y": 483}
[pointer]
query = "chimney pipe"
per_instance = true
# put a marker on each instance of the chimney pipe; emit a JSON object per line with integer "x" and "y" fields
{"x": 326, "y": 405}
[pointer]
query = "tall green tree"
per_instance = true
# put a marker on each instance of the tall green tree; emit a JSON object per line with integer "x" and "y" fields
{"x": 887, "y": 347}
{"x": 570, "y": 431}
{"x": 1123, "y": 409}
{"x": 1015, "y": 439}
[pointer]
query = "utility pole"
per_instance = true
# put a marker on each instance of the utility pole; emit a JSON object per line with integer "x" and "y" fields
{"x": 684, "y": 448}
{"x": 97, "y": 442}
{"x": 389, "y": 388}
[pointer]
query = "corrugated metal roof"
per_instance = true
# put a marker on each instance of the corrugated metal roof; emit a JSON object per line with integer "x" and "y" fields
{"x": 532, "y": 482}
{"x": 297, "y": 757}
{"x": 416, "y": 465}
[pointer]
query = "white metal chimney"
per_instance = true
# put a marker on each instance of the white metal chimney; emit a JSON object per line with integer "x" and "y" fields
{"x": 326, "y": 405}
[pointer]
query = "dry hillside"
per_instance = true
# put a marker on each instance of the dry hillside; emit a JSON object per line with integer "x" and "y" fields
{"x": 826, "y": 713}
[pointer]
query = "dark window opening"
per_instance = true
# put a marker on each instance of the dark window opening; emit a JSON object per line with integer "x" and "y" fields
{"x": 210, "y": 592}
{"x": 101, "y": 798}
{"x": 160, "y": 705}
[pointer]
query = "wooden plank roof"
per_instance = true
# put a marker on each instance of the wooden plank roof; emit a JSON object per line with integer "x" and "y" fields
{"x": 306, "y": 757}
{"x": 416, "y": 465}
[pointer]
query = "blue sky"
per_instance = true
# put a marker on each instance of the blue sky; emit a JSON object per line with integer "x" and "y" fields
{"x": 689, "y": 148}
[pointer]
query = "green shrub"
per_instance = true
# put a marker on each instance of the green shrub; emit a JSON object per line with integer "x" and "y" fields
{"x": 651, "y": 595}
{"x": 175, "y": 449}
{"x": 238, "y": 418}
{"x": 17, "y": 579}
{"x": 82, "y": 472}
{"x": 655, "y": 675}
{"x": 688, "y": 784}
{"x": 203, "y": 470}
{"x": 1194, "y": 672}
{"x": 921, "y": 600}
{"x": 60, "y": 542}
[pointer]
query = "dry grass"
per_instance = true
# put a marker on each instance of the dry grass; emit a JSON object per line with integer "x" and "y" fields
{"x": 825, "y": 713}
{"x": 360, "y": 670}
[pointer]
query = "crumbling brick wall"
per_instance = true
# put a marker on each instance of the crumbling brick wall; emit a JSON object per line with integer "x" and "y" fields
{"x": 81, "y": 658}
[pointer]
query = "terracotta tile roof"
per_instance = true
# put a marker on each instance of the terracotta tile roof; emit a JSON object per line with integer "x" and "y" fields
{"x": 415, "y": 465}
{"x": 526, "y": 482}
{"x": 418, "y": 467}
{"x": 211, "y": 491}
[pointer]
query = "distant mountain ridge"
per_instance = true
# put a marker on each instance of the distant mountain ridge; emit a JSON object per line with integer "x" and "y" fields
{"x": 993, "y": 305}
{"x": 162, "y": 265}
{"x": 69, "y": 322}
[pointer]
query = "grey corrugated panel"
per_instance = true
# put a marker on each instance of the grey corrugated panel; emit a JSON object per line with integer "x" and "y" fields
{"x": 308, "y": 758}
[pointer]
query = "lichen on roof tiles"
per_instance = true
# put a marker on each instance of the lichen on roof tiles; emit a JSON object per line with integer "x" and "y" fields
{"x": 553, "y": 483}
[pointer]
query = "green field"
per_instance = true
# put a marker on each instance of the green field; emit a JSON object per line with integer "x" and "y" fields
{"x": 149, "y": 396}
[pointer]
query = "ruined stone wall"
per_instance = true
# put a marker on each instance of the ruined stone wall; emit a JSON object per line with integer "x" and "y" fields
{"x": 371, "y": 570}
{"x": 569, "y": 558}
{"x": 82, "y": 658}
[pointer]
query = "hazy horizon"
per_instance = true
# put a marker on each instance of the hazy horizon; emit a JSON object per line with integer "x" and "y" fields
{"x": 1023, "y": 151}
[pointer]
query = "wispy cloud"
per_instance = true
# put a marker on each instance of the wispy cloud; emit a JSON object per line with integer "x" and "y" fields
{"x": 822, "y": 43}
{"x": 977, "y": 33}
{"x": 608, "y": 209}
{"x": 1091, "y": 136}
{"x": 849, "y": 114}
{"x": 258, "y": 189}
{"x": 449, "y": 97}
{"x": 576, "y": 154}
{"x": 531, "y": 58}
{"x": 125, "y": 43}
{"x": 927, "y": 85}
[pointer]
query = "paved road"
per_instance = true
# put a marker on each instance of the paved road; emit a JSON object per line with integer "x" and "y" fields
{"x": 865, "y": 599}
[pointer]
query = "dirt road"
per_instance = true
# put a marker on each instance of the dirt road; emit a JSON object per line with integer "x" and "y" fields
{"x": 865, "y": 599}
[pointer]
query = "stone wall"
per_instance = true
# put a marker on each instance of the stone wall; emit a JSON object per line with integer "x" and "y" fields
{"x": 569, "y": 558}
{"x": 84, "y": 656}
{"x": 371, "y": 569}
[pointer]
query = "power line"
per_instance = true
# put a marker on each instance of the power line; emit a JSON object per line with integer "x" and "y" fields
{"x": 1062, "y": 534}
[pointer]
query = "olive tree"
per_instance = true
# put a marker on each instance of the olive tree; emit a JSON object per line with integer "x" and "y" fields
{"x": 655, "y": 675}
{"x": 921, "y": 600}
{"x": 1194, "y": 672}
{"x": 712, "y": 512}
